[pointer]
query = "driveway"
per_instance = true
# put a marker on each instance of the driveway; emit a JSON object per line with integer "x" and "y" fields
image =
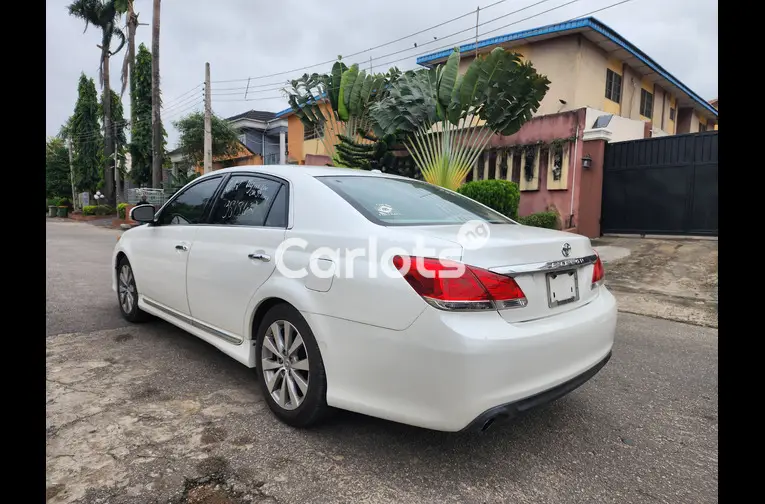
{"x": 666, "y": 278}
{"x": 147, "y": 413}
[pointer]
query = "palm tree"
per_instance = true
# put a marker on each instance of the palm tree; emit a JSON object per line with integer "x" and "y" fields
{"x": 127, "y": 7}
{"x": 103, "y": 14}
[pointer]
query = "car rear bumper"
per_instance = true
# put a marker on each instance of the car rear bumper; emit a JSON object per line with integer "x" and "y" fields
{"x": 508, "y": 411}
{"x": 447, "y": 369}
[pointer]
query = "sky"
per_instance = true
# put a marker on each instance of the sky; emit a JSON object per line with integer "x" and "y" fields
{"x": 246, "y": 41}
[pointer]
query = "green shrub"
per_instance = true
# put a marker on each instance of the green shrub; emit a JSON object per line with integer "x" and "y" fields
{"x": 500, "y": 195}
{"x": 548, "y": 220}
{"x": 98, "y": 210}
{"x": 121, "y": 210}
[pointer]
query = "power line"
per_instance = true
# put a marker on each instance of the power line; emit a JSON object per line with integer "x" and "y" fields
{"x": 365, "y": 50}
{"x": 450, "y": 45}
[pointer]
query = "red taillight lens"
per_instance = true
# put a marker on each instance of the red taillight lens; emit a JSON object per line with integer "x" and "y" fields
{"x": 598, "y": 273}
{"x": 450, "y": 285}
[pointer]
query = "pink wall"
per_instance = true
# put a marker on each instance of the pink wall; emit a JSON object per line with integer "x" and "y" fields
{"x": 547, "y": 128}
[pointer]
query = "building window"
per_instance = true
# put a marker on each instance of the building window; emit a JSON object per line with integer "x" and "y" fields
{"x": 702, "y": 127}
{"x": 312, "y": 133}
{"x": 613, "y": 86}
{"x": 671, "y": 114}
{"x": 646, "y": 103}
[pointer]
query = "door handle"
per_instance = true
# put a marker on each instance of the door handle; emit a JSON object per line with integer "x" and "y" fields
{"x": 260, "y": 257}
{"x": 181, "y": 247}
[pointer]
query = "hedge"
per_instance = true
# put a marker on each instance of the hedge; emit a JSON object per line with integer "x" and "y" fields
{"x": 500, "y": 195}
{"x": 98, "y": 210}
{"x": 121, "y": 210}
{"x": 548, "y": 220}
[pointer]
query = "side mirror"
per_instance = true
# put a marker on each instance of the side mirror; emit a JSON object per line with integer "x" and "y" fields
{"x": 142, "y": 213}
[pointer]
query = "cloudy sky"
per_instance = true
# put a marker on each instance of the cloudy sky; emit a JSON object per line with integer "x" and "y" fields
{"x": 254, "y": 39}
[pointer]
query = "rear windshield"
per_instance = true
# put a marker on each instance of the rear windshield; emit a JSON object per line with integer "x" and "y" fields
{"x": 407, "y": 202}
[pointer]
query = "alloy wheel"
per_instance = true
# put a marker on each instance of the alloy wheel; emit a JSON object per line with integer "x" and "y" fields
{"x": 284, "y": 361}
{"x": 126, "y": 289}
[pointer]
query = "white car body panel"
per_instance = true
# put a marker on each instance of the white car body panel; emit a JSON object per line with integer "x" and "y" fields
{"x": 386, "y": 352}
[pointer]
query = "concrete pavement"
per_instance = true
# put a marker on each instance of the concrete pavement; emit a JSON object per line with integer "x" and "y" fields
{"x": 148, "y": 413}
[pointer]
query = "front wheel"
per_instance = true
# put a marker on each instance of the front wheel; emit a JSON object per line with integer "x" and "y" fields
{"x": 291, "y": 370}
{"x": 127, "y": 293}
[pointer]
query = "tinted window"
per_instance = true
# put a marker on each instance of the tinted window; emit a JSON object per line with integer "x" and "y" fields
{"x": 245, "y": 201}
{"x": 406, "y": 202}
{"x": 189, "y": 206}
{"x": 277, "y": 216}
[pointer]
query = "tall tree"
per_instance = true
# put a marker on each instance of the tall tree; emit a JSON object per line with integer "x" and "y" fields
{"x": 128, "y": 63}
{"x": 103, "y": 14}
{"x": 85, "y": 132}
{"x": 120, "y": 140}
{"x": 140, "y": 110}
{"x": 57, "y": 181}
{"x": 192, "y": 133}
{"x": 156, "y": 104}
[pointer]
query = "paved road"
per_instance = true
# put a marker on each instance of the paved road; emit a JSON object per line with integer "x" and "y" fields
{"x": 147, "y": 413}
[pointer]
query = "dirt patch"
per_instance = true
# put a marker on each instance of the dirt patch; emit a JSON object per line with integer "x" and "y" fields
{"x": 671, "y": 279}
{"x": 144, "y": 393}
{"x": 53, "y": 491}
{"x": 212, "y": 434}
{"x": 121, "y": 338}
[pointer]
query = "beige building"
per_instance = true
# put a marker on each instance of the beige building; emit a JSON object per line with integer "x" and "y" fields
{"x": 591, "y": 66}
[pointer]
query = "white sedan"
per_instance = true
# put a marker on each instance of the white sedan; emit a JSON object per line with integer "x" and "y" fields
{"x": 371, "y": 293}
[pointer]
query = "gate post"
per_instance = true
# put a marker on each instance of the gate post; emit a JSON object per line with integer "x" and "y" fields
{"x": 591, "y": 187}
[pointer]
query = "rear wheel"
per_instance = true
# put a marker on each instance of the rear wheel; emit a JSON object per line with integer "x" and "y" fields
{"x": 127, "y": 293}
{"x": 291, "y": 370}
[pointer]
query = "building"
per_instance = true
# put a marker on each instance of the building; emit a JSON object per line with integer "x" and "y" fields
{"x": 262, "y": 138}
{"x": 264, "y": 134}
{"x": 590, "y": 65}
{"x": 304, "y": 146}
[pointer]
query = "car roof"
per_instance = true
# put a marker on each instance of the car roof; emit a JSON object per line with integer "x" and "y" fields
{"x": 303, "y": 170}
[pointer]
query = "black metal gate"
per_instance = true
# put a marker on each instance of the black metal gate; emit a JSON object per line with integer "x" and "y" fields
{"x": 665, "y": 185}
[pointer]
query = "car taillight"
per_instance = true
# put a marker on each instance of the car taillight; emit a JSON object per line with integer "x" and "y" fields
{"x": 598, "y": 273}
{"x": 437, "y": 281}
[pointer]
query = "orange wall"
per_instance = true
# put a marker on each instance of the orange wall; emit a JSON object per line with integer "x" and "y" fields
{"x": 295, "y": 133}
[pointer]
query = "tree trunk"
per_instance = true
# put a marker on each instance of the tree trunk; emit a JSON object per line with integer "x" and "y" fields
{"x": 156, "y": 120}
{"x": 108, "y": 132}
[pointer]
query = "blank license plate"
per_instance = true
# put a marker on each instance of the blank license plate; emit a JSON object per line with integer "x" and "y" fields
{"x": 562, "y": 288}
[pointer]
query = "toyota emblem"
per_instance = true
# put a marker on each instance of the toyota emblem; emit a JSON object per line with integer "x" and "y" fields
{"x": 566, "y": 249}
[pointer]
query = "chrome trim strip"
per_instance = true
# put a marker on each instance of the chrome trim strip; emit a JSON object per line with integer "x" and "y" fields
{"x": 179, "y": 316}
{"x": 215, "y": 332}
{"x": 194, "y": 323}
{"x": 546, "y": 267}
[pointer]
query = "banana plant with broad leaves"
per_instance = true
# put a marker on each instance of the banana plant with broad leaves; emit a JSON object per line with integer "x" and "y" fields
{"x": 337, "y": 105}
{"x": 448, "y": 118}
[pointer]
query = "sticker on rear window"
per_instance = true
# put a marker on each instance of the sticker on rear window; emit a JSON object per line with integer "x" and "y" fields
{"x": 384, "y": 209}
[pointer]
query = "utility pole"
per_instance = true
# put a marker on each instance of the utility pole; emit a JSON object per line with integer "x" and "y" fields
{"x": 118, "y": 189}
{"x": 156, "y": 118}
{"x": 71, "y": 174}
{"x": 208, "y": 122}
{"x": 477, "y": 11}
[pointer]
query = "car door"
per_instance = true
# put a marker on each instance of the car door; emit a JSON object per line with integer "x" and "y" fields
{"x": 235, "y": 254}
{"x": 160, "y": 255}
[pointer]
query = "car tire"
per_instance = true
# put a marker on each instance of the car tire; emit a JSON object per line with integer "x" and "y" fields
{"x": 127, "y": 293}
{"x": 286, "y": 396}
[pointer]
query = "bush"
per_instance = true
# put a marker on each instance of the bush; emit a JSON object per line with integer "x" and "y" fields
{"x": 548, "y": 220}
{"x": 500, "y": 195}
{"x": 121, "y": 210}
{"x": 98, "y": 210}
